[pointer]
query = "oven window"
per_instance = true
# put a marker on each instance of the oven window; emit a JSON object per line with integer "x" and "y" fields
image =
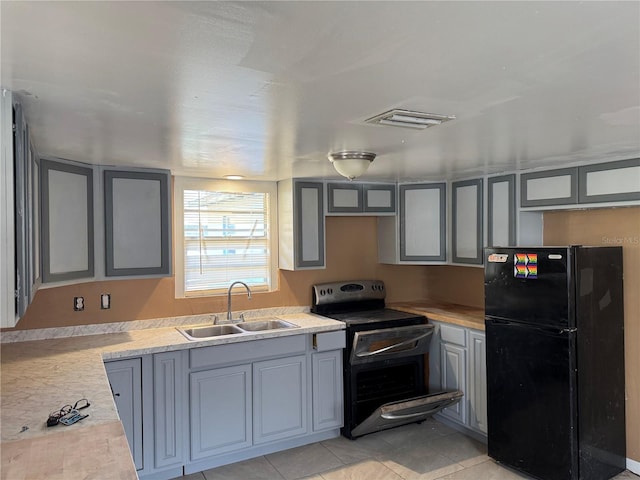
{"x": 379, "y": 385}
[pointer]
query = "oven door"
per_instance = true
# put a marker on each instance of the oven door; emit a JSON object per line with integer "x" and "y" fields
{"x": 390, "y": 343}
{"x": 416, "y": 409}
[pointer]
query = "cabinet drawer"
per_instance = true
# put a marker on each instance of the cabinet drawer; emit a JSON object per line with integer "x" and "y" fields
{"x": 246, "y": 351}
{"x": 452, "y": 334}
{"x": 329, "y": 341}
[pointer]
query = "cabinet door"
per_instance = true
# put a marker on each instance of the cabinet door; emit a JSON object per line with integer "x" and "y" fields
{"x": 137, "y": 223}
{"x": 168, "y": 405}
{"x": 8, "y": 316}
{"x": 477, "y": 389}
{"x": 126, "y": 385}
{"x": 610, "y": 182}
{"x": 378, "y": 198}
{"x": 467, "y": 222}
{"x": 552, "y": 187}
{"x": 501, "y": 211}
{"x": 220, "y": 410}
{"x": 422, "y": 222}
{"x": 66, "y": 193}
{"x": 344, "y": 197}
{"x": 454, "y": 374}
{"x": 309, "y": 224}
{"x": 327, "y": 390}
{"x": 21, "y": 212}
{"x": 279, "y": 399}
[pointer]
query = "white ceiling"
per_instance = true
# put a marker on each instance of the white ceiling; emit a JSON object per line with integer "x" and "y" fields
{"x": 267, "y": 89}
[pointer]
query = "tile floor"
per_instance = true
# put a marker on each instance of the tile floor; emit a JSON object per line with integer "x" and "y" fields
{"x": 428, "y": 451}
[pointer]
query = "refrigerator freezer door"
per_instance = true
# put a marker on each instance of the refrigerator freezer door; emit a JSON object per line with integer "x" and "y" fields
{"x": 529, "y": 285}
{"x": 531, "y": 399}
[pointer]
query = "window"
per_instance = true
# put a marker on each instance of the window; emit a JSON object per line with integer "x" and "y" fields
{"x": 225, "y": 231}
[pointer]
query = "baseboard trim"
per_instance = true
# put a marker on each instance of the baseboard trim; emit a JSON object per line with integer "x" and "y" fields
{"x": 633, "y": 466}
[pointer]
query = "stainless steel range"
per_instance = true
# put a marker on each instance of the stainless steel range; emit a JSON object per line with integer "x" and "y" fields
{"x": 384, "y": 360}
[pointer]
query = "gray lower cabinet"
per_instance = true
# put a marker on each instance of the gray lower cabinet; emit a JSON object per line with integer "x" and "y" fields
{"x": 208, "y": 406}
{"x": 328, "y": 397}
{"x": 279, "y": 399}
{"x": 457, "y": 362}
{"x": 454, "y": 375}
{"x": 220, "y": 410}
{"x": 168, "y": 407}
{"x": 125, "y": 378}
{"x": 477, "y": 385}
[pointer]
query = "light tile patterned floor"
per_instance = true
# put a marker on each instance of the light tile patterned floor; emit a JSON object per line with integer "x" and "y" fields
{"x": 429, "y": 451}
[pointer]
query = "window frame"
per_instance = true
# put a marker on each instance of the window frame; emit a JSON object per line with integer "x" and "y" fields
{"x": 180, "y": 184}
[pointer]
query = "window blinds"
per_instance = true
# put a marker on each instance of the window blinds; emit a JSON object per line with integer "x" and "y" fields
{"x": 226, "y": 238}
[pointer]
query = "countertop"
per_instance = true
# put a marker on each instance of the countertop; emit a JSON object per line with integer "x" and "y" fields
{"x": 38, "y": 377}
{"x": 470, "y": 317}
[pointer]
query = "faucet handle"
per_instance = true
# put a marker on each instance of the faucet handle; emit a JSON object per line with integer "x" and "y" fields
{"x": 215, "y": 318}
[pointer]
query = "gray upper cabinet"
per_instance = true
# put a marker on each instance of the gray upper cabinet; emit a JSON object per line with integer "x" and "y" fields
{"x": 301, "y": 225}
{"x": 20, "y": 254}
{"x": 66, "y": 196}
{"x": 551, "y": 187}
{"x": 344, "y": 198}
{"x": 423, "y": 222}
{"x": 417, "y": 234}
{"x": 378, "y": 198}
{"x": 369, "y": 198}
{"x": 137, "y": 223}
{"x": 21, "y": 211}
{"x": 8, "y": 317}
{"x": 501, "y": 211}
{"x": 467, "y": 221}
{"x": 610, "y": 182}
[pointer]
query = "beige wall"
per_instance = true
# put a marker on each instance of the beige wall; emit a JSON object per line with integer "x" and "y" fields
{"x": 351, "y": 254}
{"x": 615, "y": 226}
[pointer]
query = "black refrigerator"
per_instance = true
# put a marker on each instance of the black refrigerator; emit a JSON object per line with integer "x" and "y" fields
{"x": 554, "y": 323}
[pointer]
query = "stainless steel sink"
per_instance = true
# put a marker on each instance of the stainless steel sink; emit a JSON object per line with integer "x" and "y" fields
{"x": 260, "y": 325}
{"x": 198, "y": 333}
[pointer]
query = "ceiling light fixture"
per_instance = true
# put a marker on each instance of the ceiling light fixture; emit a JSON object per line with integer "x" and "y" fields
{"x": 351, "y": 164}
{"x": 234, "y": 177}
{"x": 409, "y": 119}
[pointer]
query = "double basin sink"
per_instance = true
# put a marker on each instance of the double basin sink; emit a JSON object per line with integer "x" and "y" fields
{"x": 210, "y": 331}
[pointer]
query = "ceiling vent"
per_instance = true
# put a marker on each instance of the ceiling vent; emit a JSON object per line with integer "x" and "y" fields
{"x": 409, "y": 119}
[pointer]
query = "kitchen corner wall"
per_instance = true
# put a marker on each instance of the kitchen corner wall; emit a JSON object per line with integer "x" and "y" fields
{"x": 615, "y": 226}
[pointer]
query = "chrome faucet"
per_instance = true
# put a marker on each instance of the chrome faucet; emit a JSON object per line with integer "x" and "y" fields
{"x": 229, "y": 316}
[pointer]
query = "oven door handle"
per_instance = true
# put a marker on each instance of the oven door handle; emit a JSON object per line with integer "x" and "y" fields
{"x": 395, "y": 345}
{"x": 390, "y": 416}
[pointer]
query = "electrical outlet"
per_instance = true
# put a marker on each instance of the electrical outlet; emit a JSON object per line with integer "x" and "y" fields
{"x": 105, "y": 301}
{"x": 78, "y": 304}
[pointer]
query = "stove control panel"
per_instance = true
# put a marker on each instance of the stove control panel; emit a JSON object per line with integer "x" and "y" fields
{"x": 350, "y": 291}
